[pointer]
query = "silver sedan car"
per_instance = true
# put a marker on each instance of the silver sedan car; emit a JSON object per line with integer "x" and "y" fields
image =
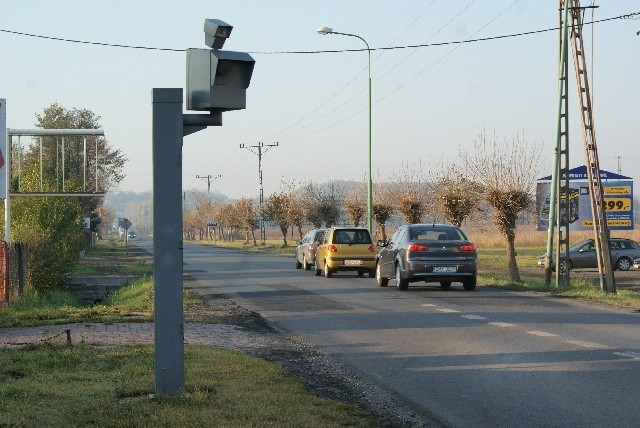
{"x": 583, "y": 254}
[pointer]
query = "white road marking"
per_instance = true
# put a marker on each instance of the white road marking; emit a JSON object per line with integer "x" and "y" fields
{"x": 629, "y": 354}
{"x": 473, "y": 317}
{"x": 428, "y": 305}
{"x": 502, "y": 324}
{"x": 542, "y": 333}
{"x": 448, "y": 311}
{"x": 586, "y": 344}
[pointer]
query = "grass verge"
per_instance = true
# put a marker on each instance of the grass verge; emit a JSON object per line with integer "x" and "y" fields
{"x": 56, "y": 386}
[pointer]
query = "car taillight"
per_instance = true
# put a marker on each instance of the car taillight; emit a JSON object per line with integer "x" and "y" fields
{"x": 372, "y": 248}
{"x": 467, "y": 247}
{"x": 417, "y": 247}
{"x": 310, "y": 249}
{"x": 332, "y": 248}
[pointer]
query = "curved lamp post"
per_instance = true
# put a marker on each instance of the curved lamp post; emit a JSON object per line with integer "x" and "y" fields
{"x": 324, "y": 31}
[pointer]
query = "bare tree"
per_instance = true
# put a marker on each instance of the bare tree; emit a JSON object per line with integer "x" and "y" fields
{"x": 507, "y": 171}
{"x": 457, "y": 196}
{"x": 247, "y": 218}
{"x": 295, "y": 209}
{"x": 412, "y": 195}
{"x": 355, "y": 204}
{"x": 383, "y": 206}
{"x": 227, "y": 220}
{"x": 276, "y": 209}
{"x": 325, "y": 202}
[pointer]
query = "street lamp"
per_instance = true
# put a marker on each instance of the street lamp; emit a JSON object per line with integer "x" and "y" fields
{"x": 324, "y": 31}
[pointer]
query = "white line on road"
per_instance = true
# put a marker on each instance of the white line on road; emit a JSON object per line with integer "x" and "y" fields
{"x": 629, "y": 354}
{"x": 448, "y": 311}
{"x": 473, "y": 317}
{"x": 542, "y": 333}
{"x": 586, "y": 344}
{"x": 428, "y": 305}
{"x": 502, "y": 324}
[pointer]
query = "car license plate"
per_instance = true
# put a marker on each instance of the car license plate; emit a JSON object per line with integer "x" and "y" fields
{"x": 445, "y": 268}
{"x": 352, "y": 262}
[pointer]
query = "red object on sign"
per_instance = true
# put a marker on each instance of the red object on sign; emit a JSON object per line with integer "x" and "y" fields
{"x": 1, "y": 159}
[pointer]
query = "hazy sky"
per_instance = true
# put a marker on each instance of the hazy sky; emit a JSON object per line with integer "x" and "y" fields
{"x": 428, "y": 102}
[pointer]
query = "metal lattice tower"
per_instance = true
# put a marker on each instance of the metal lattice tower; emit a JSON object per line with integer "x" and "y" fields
{"x": 564, "y": 191}
{"x": 601, "y": 232}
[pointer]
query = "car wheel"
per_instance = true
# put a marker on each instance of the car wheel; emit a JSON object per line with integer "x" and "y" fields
{"x": 445, "y": 284}
{"x": 563, "y": 267}
{"x": 624, "y": 263}
{"x": 469, "y": 284}
{"x": 298, "y": 264}
{"x": 305, "y": 265}
{"x": 327, "y": 271}
{"x": 318, "y": 271}
{"x": 382, "y": 282}
{"x": 401, "y": 283}
{"x": 372, "y": 273}
{"x": 360, "y": 273}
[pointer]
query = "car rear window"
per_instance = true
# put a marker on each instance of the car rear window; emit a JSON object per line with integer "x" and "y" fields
{"x": 435, "y": 234}
{"x": 351, "y": 236}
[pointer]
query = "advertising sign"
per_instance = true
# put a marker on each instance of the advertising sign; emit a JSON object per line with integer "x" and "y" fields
{"x": 618, "y": 199}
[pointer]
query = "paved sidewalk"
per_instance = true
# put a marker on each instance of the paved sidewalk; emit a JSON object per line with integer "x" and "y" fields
{"x": 228, "y": 336}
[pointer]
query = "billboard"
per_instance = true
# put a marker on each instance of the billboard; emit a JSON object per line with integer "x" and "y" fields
{"x": 617, "y": 193}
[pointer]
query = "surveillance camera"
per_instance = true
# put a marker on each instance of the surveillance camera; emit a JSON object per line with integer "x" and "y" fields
{"x": 216, "y": 32}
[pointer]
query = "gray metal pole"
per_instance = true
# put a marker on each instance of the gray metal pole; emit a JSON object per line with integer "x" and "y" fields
{"x": 167, "y": 240}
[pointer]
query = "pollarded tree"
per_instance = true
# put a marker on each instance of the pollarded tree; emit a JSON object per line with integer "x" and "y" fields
{"x": 355, "y": 205}
{"x": 456, "y": 195}
{"x": 227, "y": 219}
{"x": 412, "y": 195}
{"x": 383, "y": 206}
{"x": 326, "y": 202}
{"x": 507, "y": 171}
{"x": 247, "y": 217}
{"x": 276, "y": 209}
{"x": 295, "y": 207}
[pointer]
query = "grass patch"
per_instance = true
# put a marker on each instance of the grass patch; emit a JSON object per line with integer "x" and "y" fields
{"x": 496, "y": 257}
{"x": 48, "y": 385}
{"x": 131, "y": 303}
{"x": 271, "y": 246}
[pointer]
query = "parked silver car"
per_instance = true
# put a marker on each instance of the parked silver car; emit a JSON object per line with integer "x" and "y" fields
{"x": 583, "y": 254}
{"x": 306, "y": 250}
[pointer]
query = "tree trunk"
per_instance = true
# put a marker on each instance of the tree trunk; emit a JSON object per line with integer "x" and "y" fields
{"x": 514, "y": 273}
{"x": 253, "y": 235}
{"x": 284, "y": 231}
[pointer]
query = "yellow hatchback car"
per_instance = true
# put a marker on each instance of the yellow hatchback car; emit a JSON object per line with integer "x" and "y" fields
{"x": 346, "y": 249}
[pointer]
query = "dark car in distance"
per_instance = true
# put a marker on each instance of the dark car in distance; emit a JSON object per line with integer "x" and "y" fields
{"x": 427, "y": 252}
{"x": 306, "y": 249}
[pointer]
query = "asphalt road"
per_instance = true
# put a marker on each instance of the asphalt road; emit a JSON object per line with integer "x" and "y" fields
{"x": 490, "y": 357}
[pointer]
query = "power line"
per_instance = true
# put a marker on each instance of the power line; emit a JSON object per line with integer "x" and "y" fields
{"x": 283, "y": 132}
{"x": 112, "y": 45}
{"x": 425, "y": 45}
